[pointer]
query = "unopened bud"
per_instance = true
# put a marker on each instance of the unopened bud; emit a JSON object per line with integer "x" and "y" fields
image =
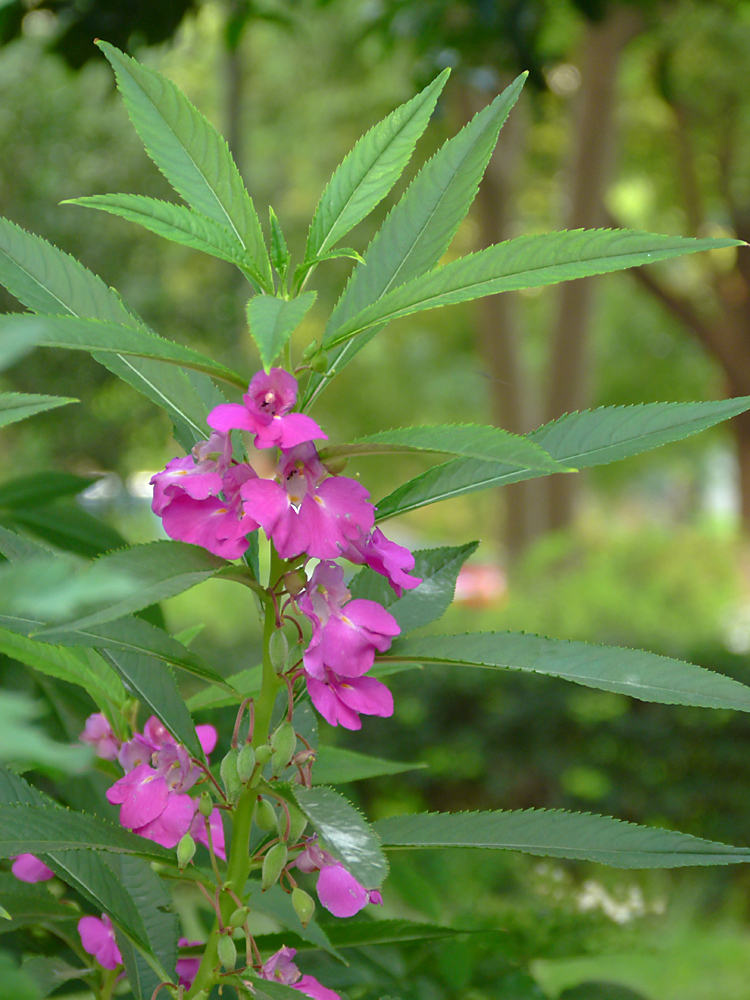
{"x": 319, "y": 362}
{"x": 278, "y": 651}
{"x": 295, "y": 581}
{"x": 227, "y": 952}
{"x": 297, "y": 824}
{"x": 304, "y": 905}
{"x": 336, "y": 465}
{"x": 265, "y": 815}
{"x": 229, "y": 775}
{"x": 205, "y": 805}
{"x": 310, "y": 351}
{"x": 273, "y": 866}
{"x": 246, "y": 763}
{"x": 239, "y": 917}
{"x": 284, "y": 743}
{"x": 263, "y": 754}
{"x": 185, "y": 851}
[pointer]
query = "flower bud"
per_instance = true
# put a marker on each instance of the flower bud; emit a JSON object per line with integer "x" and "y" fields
{"x": 336, "y": 465}
{"x": 278, "y": 651}
{"x": 246, "y": 763}
{"x": 265, "y": 815}
{"x": 263, "y": 754}
{"x": 205, "y": 805}
{"x": 297, "y": 824}
{"x": 239, "y": 917}
{"x": 304, "y": 905}
{"x": 273, "y": 866}
{"x": 185, "y": 851}
{"x": 227, "y": 952}
{"x": 229, "y": 776}
{"x": 319, "y": 362}
{"x": 295, "y": 581}
{"x": 284, "y": 743}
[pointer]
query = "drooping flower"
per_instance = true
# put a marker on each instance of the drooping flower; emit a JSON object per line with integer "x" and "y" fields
{"x": 280, "y": 968}
{"x": 198, "y": 475}
{"x": 265, "y": 412}
{"x": 305, "y": 511}
{"x": 98, "y": 939}
{"x": 385, "y": 557}
{"x": 98, "y": 733}
{"x": 28, "y": 868}
{"x": 341, "y": 700}
{"x": 149, "y": 806}
{"x": 338, "y": 890}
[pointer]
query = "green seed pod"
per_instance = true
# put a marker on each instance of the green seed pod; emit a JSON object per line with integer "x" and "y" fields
{"x": 185, "y": 851}
{"x": 246, "y": 763}
{"x": 206, "y": 805}
{"x": 229, "y": 776}
{"x": 295, "y": 581}
{"x": 336, "y": 465}
{"x": 278, "y": 651}
{"x": 298, "y": 822}
{"x": 304, "y": 905}
{"x": 319, "y": 362}
{"x": 239, "y": 917}
{"x": 284, "y": 743}
{"x": 273, "y": 866}
{"x": 265, "y": 815}
{"x": 310, "y": 351}
{"x": 227, "y": 952}
{"x": 263, "y": 754}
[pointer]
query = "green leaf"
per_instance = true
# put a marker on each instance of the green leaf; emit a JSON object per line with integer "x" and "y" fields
{"x": 265, "y": 989}
{"x": 67, "y": 526}
{"x": 371, "y": 169}
{"x": 173, "y": 222}
{"x": 231, "y": 692}
{"x": 420, "y": 228}
{"x": 489, "y": 444}
{"x": 277, "y": 904}
{"x": 152, "y": 683}
{"x": 145, "y": 574}
{"x": 582, "y": 440}
{"x": 72, "y": 665}
{"x": 361, "y": 933}
{"x": 337, "y": 766}
{"x": 49, "y": 973}
{"x": 190, "y": 153}
{"x": 41, "y": 828}
{"x": 627, "y": 671}
{"x": 345, "y": 832}
{"x": 18, "y": 548}
{"x": 272, "y": 322}
{"x": 15, "y": 406}
{"x": 40, "y": 488}
{"x": 23, "y": 741}
{"x": 100, "y": 336}
{"x": 280, "y": 255}
{"x": 16, "y": 982}
{"x": 438, "y": 570}
{"x": 524, "y": 262}
{"x": 558, "y": 834}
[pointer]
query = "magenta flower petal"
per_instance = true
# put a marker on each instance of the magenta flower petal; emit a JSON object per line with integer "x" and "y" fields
{"x": 211, "y": 523}
{"x": 98, "y": 733}
{"x": 340, "y": 892}
{"x": 310, "y": 986}
{"x": 98, "y": 939}
{"x": 207, "y": 736}
{"x": 198, "y": 832}
{"x": 325, "y": 698}
{"x": 230, "y": 416}
{"x": 143, "y": 795}
{"x": 28, "y": 868}
{"x": 172, "y": 824}
{"x": 385, "y": 557}
{"x": 289, "y": 431}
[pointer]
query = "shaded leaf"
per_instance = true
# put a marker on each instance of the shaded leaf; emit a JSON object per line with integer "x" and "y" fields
{"x": 39, "y": 488}
{"x": 15, "y": 406}
{"x": 23, "y": 741}
{"x": 273, "y": 321}
{"x": 337, "y": 766}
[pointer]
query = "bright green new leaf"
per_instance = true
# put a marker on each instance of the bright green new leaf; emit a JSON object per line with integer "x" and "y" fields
{"x": 420, "y": 228}
{"x": 174, "y": 222}
{"x": 190, "y": 153}
{"x": 15, "y": 406}
{"x": 437, "y": 569}
{"x": 525, "y": 262}
{"x": 337, "y": 766}
{"x": 582, "y": 440}
{"x": 627, "y": 671}
{"x": 272, "y": 322}
{"x": 371, "y": 169}
{"x": 557, "y": 834}
{"x": 76, "y": 334}
{"x": 345, "y": 833}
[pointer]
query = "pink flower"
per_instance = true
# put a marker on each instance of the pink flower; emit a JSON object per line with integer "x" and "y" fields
{"x": 281, "y": 969}
{"x": 187, "y": 967}
{"x": 342, "y": 700}
{"x": 338, "y": 890}
{"x": 305, "y": 511}
{"x": 152, "y": 801}
{"x": 98, "y": 733}
{"x": 98, "y": 939}
{"x": 199, "y": 475}
{"x": 28, "y": 868}
{"x": 265, "y": 412}
{"x": 198, "y": 832}
{"x": 385, "y": 557}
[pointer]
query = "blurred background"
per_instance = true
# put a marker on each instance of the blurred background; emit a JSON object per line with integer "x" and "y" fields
{"x": 635, "y": 114}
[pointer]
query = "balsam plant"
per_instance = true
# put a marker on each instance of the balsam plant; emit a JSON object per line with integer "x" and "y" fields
{"x": 245, "y": 834}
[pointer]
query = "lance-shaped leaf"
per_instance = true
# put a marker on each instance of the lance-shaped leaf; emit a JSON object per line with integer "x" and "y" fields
{"x": 345, "y": 832}
{"x": 277, "y": 904}
{"x": 153, "y": 684}
{"x": 371, "y": 169}
{"x": 96, "y": 336}
{"x": 419, "y": 229}
{"x": 15, "y": 406}
{"x": 190, "y": 153}
{"x": 266, "y": 989}
{"x": 273, "y": 321}
{"x": 581, "y": 440}
{"x": 337, "y": 766}
{"x": 438, "y": 570}
{"x": 489, "y": 444}
{"x": 358, "y": 934}
{"x": 40, "y": 488}
{"x": 634, "y": 672}
{"x": 146, "y": 573}
{"x": 46, "y": 280}
{"x": 40, "y": 829}
{"x": 558, "y": 834}
{"x": 524, "y": 262}
{"x": 173, "y": 222}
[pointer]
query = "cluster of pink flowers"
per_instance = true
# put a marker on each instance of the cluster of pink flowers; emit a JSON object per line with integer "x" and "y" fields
{"x": 208, "y": 500}
{"x": 153, "y": 794}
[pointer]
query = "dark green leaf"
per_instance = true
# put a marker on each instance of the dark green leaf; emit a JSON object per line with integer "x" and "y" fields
{"x": 336, "y": 766}
{"x": 39, "y": 488}
{"x": 15, "y": 406}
